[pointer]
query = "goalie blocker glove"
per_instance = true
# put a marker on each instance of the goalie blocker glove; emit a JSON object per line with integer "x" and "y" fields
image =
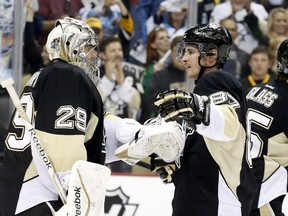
{"x": 175, "y": 103}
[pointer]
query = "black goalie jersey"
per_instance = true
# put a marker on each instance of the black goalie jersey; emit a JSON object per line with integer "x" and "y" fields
{"x": 215, "y": 177}
{"x": 66, "y": 109}
{"x": 267, "y": 128}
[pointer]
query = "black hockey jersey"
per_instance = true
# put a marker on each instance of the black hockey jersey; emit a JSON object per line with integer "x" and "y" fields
{"x": 214, "y": 177}
{"x": 267, "y": 130}
{"x": 66, "y": 109}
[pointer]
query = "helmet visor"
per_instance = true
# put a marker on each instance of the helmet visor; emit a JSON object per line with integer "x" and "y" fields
{"x": 183, "y": 47}
{"x": 186, "y": 48}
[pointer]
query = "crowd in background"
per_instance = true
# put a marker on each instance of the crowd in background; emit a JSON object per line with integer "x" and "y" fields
{"x": 142, "y": 35}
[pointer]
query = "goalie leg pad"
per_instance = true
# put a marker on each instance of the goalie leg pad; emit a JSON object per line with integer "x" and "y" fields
{"x": 87, "y": 189}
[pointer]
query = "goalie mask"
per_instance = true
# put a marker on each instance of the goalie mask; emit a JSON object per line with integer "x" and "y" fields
{"x": 282, "y": 57}
{"x": 207, "y": 37}
{"x": 75, "y": 42}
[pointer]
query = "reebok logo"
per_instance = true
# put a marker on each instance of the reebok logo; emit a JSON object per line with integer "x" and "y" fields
{"x": 77, "y": 200}
{"x": 201, "y": 104}
{"x": 40, "y": 149}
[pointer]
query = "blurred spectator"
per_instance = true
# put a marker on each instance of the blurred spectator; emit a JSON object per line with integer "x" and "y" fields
{"x": 117, "y": 87}
{"x": 158, "y": 50}
{"x": 31, "y": 53}
{"x": 260, "y": 62}
{"x": 171, "y": 77}
{"x": 45, "y": 61}
{"x": 45, "y": 56}
{"x": 6, "y": 51}
{"x": 251, "y": 19}
{"x": 177, "y": 17}
{"x": 146, "y": 9}
{"x": 277, "y": 30}
{"x": 51, "y": 10}
{"x": 237, "y": 63}
{"x": 205, "y": 8}
{"x": 115, "y": 19}
{"x": 96, "y": 25}
{"x": 271, "y": 4}
{"x": 273, "y": 47}
{"x": 277, "y": 23}
{"x": 157, "y": 45}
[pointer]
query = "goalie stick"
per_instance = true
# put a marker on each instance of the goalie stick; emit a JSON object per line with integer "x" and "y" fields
{"x": 35, "y": 141}
{"x": 143, "y": 165}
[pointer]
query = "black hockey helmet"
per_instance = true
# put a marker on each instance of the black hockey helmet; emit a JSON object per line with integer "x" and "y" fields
{"x": 282, "y": 57}
{"x": 207, "y": 37}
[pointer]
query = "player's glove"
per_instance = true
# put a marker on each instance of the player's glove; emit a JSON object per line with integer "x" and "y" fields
{"x": 163, "y": 169}
{"x": 174, "y": 104}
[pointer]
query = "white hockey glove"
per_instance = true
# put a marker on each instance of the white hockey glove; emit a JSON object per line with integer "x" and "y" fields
{"x": 176, "y": 104}
{"x": 166, "y": 139}
{"x": 163, "y": 169}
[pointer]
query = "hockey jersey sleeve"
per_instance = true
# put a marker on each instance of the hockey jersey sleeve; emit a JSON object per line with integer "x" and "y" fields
{"x": 225, "y": 115}
{"x": 224, "y": 123}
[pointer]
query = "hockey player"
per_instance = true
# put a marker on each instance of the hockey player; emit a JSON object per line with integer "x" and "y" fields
{"x": 63, "y": 105}
{"x": 267, "y": 137}
{"x": 214, "y": 177}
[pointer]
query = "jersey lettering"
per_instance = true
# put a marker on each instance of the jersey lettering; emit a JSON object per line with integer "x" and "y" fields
{"x": 264, "y": 97}
{"x": 255, "y": 143}
{"x": 21, "y": 142}
{"x": 222, "y": 97}
{"x": 66, "y": 121}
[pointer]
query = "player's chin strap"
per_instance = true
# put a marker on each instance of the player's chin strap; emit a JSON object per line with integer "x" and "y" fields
{"x": 203, "y": 68}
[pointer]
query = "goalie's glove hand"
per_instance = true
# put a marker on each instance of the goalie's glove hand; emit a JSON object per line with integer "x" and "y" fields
{"x": 175, "y": 103}
{"x": 163, "y": 169}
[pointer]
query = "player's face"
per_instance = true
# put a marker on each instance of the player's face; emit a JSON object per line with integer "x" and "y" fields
{"x": 190, "y": 61}
{"x": 91, "y": 53}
